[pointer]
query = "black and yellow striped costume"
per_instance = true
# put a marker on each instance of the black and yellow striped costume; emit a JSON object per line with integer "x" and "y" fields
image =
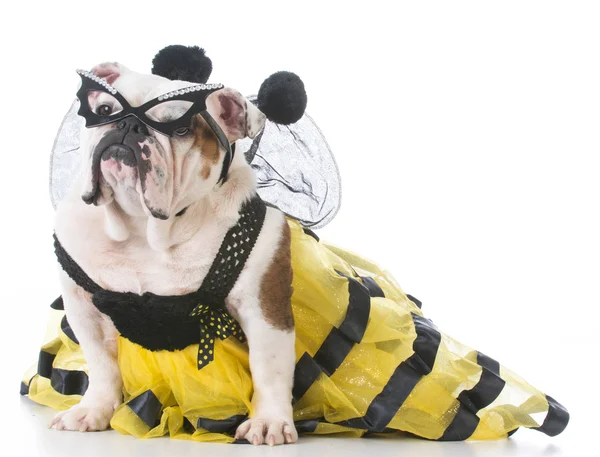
{"x": 367, "y": 361}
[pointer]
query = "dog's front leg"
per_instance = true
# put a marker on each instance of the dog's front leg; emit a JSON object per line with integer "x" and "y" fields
{"x": 261, "y": 301}
{"x": 98, "y": 340}
{"x": 272, "y": 364}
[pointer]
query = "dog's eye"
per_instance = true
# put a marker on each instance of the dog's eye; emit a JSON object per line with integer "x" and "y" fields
{"x": 104, "y": 110}
{"x": 182, "y": 131}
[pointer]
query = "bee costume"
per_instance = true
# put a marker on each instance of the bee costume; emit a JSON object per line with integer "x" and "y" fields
{"x": 367, "y": 360}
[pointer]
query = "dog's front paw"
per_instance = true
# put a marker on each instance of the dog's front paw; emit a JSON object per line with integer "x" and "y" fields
{"x": 83, "y": 418}
{"x": 259, "y": 430}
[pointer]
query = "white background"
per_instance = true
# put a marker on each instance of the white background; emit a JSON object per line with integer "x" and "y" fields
{"x": 467, "y": 135}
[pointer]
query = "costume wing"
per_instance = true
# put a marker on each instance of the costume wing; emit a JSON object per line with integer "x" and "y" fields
{"x": 296, "y": 170}
{"x": 65, "y": 159}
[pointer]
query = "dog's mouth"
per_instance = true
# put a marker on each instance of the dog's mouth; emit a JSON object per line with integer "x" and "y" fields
{"x": 130, "y": 158}
{"x": 120, "y": 153}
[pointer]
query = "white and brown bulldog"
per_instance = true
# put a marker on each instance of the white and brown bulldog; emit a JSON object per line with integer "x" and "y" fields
{"x": 124, "y": 224}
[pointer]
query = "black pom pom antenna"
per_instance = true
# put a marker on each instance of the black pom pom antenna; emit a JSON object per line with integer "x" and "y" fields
{"x": 185, "y": 63}
{"x": 281, "y": 97}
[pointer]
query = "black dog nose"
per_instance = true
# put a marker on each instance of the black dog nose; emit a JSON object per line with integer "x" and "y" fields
{"x": 133, "y": 124}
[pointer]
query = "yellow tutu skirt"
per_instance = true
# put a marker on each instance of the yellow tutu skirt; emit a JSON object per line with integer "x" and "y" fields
{"x": 367, "y": 361}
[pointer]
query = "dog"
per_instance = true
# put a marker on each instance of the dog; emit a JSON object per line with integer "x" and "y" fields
{"x": 150, "y": 217}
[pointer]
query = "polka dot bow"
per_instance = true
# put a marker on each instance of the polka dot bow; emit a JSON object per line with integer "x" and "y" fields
{"x": 214, "y": 323}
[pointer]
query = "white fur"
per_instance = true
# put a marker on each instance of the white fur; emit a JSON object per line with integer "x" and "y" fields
{"x": 98, "y": 339}
{"x": 272, "y": 352}
{"x": 122, "y": 248}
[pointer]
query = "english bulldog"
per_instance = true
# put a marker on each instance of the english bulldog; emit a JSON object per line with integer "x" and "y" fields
{"x": 148, "y": 214}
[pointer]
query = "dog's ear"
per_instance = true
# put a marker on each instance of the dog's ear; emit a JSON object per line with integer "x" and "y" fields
{"x": 236, "y": 115}
{"x": 109, "y": 71}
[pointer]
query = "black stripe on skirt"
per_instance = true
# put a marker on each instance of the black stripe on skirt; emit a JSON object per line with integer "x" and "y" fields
{"x": 65, "y": 382}
{"x": 386, "y": 404}
{"x": 338, "y": 344}
{"x": 340, "y": 341}
{"x": 58, "y": 304}
{"x": 227, "y": 426}
{"x": 67, "y": 330}
{"x": 487, "y": 389}
{"x": 147, "y": 407}
{"x": 556, "y": 420}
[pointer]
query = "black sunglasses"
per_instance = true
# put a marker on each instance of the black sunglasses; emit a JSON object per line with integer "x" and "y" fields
{"x": 93, "y": 86}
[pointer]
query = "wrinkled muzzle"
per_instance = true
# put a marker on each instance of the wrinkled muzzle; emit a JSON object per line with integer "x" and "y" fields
{"x": 128, "y": 150}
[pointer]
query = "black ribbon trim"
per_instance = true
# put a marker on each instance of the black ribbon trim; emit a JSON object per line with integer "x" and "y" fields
{"x": 415, "y": 300}
{"x": 556, "y": 420}
{"x": 309, "y": 232}
{"x": 338, "y": 344}
{"x": 305, "y": 374}
{"x": 462, "y": 426}
{"x": 426, "y": 344}
{"x": 374, "y": 289}
{"x": 188, "y": 427}
{"x": 147, "y": 407}
{"x": 227, "y": 426}
{"x": 69, "y": 382}
{"x": 58, "y": 304}
{"x": 512, "y": 432}
{"x": 487, "y": 389}
{"x": 340, "y": 341}
{"x": 387, "y": 431}
{"x": 67, "y": 330}
{"x": 333, "y": 351}
{"x": 308, "y": 426}
{"x": 65, "y": 382}
{"x": 45, "y": 361}
{"x": 386, "y": 404}
{"x": 355, "y": 322}
{"x": 24, "y": 389}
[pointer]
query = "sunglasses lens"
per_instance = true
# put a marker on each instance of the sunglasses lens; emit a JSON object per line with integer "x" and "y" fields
{"x": 103, "y": 104}
{"x": 169, "y": 111}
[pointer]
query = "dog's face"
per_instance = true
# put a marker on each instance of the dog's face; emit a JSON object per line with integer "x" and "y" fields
{"x": 147, "y": 172}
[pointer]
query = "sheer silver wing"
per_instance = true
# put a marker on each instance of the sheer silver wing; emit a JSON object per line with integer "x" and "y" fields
{"x": 65, "y": 158}
{"x": 296, "y": 170}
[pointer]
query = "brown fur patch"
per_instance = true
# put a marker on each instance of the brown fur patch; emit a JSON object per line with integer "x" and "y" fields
{"x": 205, "y": 140}
{"x": 276, "y": 287}
{"x": 205, "y": 172}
